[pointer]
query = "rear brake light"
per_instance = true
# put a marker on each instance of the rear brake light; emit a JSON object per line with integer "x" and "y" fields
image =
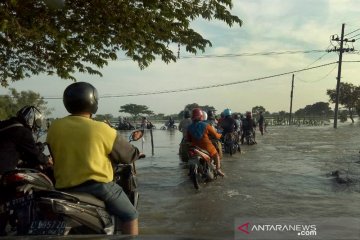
{"x": 192, "y": 153}
{"x": 17, "y": 177}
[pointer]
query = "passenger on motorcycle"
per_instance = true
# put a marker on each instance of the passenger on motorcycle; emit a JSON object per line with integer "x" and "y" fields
{"x": 199, "y": 134}
{"x": 84, "y": 151}
{"x": 17, "y": 140}
{"x": 248, "y": 125}
{"x": 211, "y": 118}
{"x": 185, "y": 123}
{"x": 216, "y": 142}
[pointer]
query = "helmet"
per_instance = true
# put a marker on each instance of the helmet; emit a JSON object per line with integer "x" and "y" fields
{"x": 227, "y": 112}
{"x": 186, "y": 114}
{"x": 248, "y": 114}
{"x": 197, "y": 114}
{"x": 205, "y": 116}
{"x": 31, "y": 117}
{"x": 210, "y": 114}
{"x": 81, "y": 97}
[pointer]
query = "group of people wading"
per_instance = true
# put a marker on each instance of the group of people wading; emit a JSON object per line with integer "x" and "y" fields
{"x": 206, "y": 131}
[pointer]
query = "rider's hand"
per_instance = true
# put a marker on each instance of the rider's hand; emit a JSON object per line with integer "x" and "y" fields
{"x": 142, "y": 155}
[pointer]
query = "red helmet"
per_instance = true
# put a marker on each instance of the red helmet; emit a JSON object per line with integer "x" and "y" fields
{"x": 197, "y": 114}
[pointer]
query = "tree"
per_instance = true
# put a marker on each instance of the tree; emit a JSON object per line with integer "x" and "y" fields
{"x": 319, "y": 109}
{"x": 11, "y": 103}
{"x": 36, "y": 39}
{"x": 135, "y": 110}
{"x": 102, "y": 117}
{"x": 349, "y": 96}
{"x": 191, "y": 106}
{"x": 258, "y": 109}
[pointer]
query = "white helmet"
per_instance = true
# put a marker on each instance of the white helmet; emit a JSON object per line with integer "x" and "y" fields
{"x": 205, "y": 116}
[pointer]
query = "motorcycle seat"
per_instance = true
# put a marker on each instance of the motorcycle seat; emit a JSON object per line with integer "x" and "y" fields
{"x": 87, "y": 198}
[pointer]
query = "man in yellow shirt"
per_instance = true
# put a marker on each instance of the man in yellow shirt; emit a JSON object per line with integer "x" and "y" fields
{"x": 84, "y": 150}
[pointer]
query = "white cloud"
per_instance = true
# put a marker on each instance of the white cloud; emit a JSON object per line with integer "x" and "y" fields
{"x": 269, "y": 26}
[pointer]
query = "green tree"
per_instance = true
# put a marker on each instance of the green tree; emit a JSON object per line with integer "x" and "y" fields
{"x": 257, "y": 109}
{"x": 319, "y": 109}
{"x": 36, "y": 39}
{"x": 102, "y": 117}
{"x": 191, "y": 106}
{"x": 349, "y": 96}
{"x": 135, "y": 110}
{"x": 11, "y": 103}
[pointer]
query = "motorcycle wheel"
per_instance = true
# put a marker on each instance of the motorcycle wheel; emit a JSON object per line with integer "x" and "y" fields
{"x": 194, "y": 176}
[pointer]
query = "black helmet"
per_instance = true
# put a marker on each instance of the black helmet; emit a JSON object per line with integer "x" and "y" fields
{"x": 31, "y": 117}
{"x": 210, "y": 114}
{"x": 187, "y": 114}
{"x": 81, "y": 97}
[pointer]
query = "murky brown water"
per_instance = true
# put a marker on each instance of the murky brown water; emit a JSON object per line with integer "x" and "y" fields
{"x": 284, "y": 175}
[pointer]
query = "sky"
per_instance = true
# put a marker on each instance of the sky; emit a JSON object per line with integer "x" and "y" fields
{"x": 268, "y": 26}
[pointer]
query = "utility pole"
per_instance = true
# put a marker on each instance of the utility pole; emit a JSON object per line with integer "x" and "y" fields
{"x": 339, "y": 75}
{"x": 291, "y": 98}
{"x": 341, "y": 50}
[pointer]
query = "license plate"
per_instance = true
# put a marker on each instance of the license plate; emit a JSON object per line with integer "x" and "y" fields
{"x": 47, "y": 227}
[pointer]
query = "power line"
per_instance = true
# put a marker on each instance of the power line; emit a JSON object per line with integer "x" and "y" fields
{"x": 206, "y": 87}
{"x": 254, "y": 54}
{"x": 242, "y": 54}
{"x": 352, "y": 32}
{"x": 355, "y": 35}
{"x": 319, "y": 78}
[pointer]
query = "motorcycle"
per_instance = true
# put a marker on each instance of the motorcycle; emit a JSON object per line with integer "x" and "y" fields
{"x": 32, "y": 206}
{"x": 248, "y": 137}
{"x": 231, "y": 143}
{"x": 201, "y": 169}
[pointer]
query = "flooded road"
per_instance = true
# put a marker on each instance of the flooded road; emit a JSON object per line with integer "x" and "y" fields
{"x": 285, "y": 175}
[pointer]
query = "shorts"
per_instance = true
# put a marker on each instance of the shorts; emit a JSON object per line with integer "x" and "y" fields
{"x": 115, "y": 199}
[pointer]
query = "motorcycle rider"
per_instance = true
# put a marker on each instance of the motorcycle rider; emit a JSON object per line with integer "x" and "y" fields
{"x": 170, "y": 123}
{"x": 228, "y": 124}
{"x": 84, "y": 150}
{"x": 185, "y": 123}
{"x": 248, "y": 125}
{"x": 199, "y": 133}
{"x": 17, "y": 143}
{"x": 17, "y": 140}
{"x": 211, "y": 118}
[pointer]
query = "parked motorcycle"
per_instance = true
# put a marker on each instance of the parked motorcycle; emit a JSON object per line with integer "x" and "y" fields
{"x": 201, "y": 169}
{"x": 32, "y": 206}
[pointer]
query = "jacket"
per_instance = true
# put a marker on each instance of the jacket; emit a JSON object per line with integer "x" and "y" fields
{"x": 17, "y": 142}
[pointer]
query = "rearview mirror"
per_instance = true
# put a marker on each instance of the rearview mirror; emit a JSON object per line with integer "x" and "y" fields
{"x": 136, "y": 135}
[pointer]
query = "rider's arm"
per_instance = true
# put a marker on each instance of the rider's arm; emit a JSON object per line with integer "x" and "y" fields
{"x": 123, "y": 151}
{"x": 213, "y": 132}
{"x": 28, "y": 148}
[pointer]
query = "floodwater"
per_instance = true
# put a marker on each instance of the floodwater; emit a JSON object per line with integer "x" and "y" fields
{"x": 285, "y": 175}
